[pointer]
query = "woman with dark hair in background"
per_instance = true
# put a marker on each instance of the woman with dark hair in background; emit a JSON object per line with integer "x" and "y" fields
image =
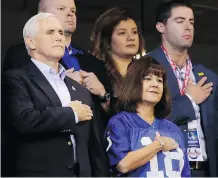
{"x": 116, "y": 39}
{"x": 140, "y": 142}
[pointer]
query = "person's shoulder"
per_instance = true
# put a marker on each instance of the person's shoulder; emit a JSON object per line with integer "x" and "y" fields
{"x": 157, "y": 54}
{"x": 16, "y": 56}
{"x": 15, "y": 73}
{"x": 119, "y": 119}
{"x": 153, "y": 51}
{"x": 17, "y": 47}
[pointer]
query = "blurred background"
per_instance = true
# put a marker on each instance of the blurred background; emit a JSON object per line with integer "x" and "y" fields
{"x": 15, "y": 14}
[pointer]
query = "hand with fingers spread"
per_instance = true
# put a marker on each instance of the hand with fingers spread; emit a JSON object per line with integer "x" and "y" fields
{"x": 75, "y": 75}
{"x": 83, "y": 111}
{"x": 91, "y": 82}
{"x": 167, "y": 143}
{"x": 200, "y": 91}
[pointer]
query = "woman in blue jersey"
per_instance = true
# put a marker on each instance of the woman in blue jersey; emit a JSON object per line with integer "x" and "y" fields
{"x": 139, "y": 141}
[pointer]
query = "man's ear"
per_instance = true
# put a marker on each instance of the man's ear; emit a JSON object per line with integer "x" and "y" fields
{"x": 30, "y": 43}
{"x": 160, "y": 27}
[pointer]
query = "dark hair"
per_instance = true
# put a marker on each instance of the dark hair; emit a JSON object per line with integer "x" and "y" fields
{"x": 164, "y": 9}
{"x": 101, "y": 39}
{"x": 131, "y": 91}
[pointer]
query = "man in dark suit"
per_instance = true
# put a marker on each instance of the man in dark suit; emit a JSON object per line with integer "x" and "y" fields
{"x": 92, "y": 74}
{"x": 47, "y": 116}
{"x": 193, "y": 88}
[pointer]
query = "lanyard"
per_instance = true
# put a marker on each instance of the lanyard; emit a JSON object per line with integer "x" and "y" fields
{"x": 187, "y": 73}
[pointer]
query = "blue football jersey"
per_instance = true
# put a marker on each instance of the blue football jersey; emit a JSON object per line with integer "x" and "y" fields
{"x": 129, "y": 132}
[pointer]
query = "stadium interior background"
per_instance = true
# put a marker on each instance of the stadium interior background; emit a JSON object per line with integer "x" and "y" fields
{"x": 204, "y": 50}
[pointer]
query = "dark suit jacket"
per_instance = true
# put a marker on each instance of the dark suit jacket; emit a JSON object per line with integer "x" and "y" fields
{"x": 37, "y": 128}
{"x": 183, "y": 111}
{"x": 17, "y": 56}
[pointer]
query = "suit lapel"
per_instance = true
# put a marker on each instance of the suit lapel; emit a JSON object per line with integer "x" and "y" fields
{"x": 196, "y": 72}
{"x": 70, "y": 87}
{"x": 43, "y": 83}
{"x": 171, "y": 78}
{"x": 74, "y": 95}
{"x": 203, "y": 106}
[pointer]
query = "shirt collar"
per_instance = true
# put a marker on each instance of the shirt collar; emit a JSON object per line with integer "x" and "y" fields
{"x": 188, "y": 62}
{"x": 46, "y": 69}
{"x": 71, "y": 50}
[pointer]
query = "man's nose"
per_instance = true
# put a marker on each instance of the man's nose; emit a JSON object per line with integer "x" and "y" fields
{"x": 188, "y": 26}
{"x": 59, "y": 37}
{"x": 70, "y": 13}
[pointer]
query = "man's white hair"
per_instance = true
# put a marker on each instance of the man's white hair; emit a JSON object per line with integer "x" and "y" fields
{"x": 31, "y": 27}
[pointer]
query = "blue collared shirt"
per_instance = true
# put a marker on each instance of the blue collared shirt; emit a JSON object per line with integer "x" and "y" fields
{"x": 57, "y": 82}
{"x": 70, "y": 59}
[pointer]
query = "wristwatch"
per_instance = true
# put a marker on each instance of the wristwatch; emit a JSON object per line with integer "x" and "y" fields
{"x": 161, "y": 142}
{"x": 105, "y": 98}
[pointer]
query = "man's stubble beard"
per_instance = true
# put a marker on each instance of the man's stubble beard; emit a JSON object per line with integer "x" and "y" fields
{"x": 68, "y": 33}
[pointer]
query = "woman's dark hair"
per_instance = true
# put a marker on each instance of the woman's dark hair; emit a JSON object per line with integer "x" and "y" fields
{"x": 164, "y": 9}
{"x": 101, "y": 39}
{"x": 132, "y": 88}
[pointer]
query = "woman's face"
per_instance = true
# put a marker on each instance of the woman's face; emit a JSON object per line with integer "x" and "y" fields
{"x": 125, "y": 39}
{"x": 152, "y": 89}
